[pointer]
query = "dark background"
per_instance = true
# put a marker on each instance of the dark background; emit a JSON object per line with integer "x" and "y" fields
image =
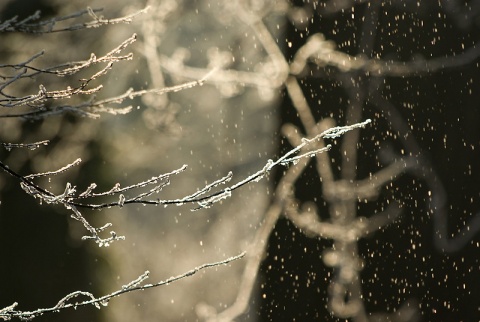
{"x": 437, "y": 105}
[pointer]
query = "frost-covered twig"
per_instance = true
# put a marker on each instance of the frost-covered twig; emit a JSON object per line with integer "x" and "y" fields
{"x": 28, "y": 25}
{"x": 92, "y": 107}
{"x": 37, "y": 100}
{"x": 73, "y": 200}
{"x": 50, "y": 173}
{"x": 9, "y": 312}
{"x": 204, "y": 201}
{"x": 198, "y": 197}
{"x": 69, "y": 68}
{"x": 30, "y": 146}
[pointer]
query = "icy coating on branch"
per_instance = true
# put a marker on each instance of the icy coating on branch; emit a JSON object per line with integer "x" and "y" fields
{"x": 137, "y": 284}
{"x": 72, "y": 200}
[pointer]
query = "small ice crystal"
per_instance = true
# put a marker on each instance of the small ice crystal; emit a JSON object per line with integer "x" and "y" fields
{"x": 121, "y": 200}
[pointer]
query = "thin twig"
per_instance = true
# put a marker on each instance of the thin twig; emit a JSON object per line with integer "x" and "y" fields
{"x": 135, "y": 285}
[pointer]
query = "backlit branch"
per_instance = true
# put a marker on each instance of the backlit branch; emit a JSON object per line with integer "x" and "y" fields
{"x": 71, "y": 300}
{"x": 32, "y": 25}
{"x": 203, "y": 198}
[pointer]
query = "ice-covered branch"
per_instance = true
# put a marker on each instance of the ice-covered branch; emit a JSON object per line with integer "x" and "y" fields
{"x": 31, "y": 24}
{"x": 74, "y": 67}
{"x": 37, "y": 100}
{"x": 30, "y": 146}
{"x": 92, "y": 108}
{"x": 202, "y": 197}
{"x": 138, "y": 284}
{"x": 206, "y": 201}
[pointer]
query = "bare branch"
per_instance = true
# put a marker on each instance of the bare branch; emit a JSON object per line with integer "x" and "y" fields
{"x": 31, "y": 146}
{"x": 9, "y": 312}
{"x": 49, "y": 26}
